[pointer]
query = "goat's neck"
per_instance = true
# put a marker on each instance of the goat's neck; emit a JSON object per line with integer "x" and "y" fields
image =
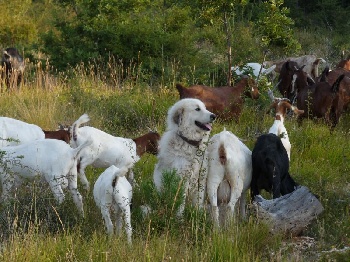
{"x": 279, "y": 117}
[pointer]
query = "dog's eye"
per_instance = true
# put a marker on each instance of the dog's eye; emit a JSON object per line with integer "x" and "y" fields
{"x": 198, "y": 109}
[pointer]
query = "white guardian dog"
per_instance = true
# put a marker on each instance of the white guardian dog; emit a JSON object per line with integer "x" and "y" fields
{"x": 182, "y": 148}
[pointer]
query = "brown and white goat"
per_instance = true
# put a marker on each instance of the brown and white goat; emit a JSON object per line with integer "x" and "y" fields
{"x": 106, "y": 150}
{"x": 286, "y": 82}
{"x": 60, "y": 134}
{"x": 225, "y": 101}
{"x": 281, "y": 106}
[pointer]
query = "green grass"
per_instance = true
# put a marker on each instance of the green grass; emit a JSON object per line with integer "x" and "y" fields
{"x": 34, "y": 228}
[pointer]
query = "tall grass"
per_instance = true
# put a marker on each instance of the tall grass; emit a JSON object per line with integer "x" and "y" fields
{"x": 34, "y": 228}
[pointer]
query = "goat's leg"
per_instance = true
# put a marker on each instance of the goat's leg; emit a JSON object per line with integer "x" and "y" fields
{"x": 236, "y": 190}
{"x": 242, "y": 203}
{"x": 127, "y": 221}
{"x": 121, "y": 205}
{"x": 56, "y": 190}
{"x": 73, "y": 188}
{"x": 107, "y": 218}
{"x": 118, "y": 217}
{"x": 213, "y": 183}
{"x": 81, "y": 173}
{"x": 7, "y": 184}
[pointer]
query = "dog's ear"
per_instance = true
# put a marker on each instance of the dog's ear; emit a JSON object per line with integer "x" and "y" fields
{"x": 177, "y": 118}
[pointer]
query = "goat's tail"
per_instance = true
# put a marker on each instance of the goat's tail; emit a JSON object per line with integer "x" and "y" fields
{"x": 83, "y": 119}
{"x": 119, "y": 172}
{"x": 335, "y": 86}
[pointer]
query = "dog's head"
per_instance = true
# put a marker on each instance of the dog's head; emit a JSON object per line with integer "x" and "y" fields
{"x": 190, "y": 117}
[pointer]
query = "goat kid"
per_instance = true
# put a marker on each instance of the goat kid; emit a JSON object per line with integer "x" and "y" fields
{"x": 51, "y": 159}
{"x": 106, "y": 150}
{"x": 281, "y": 106}
{"x": 271, "y": 167}
{"x": 228, "y": 160}
{"x": 113, "y": 192}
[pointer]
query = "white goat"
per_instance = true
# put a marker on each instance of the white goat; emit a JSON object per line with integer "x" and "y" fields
{"x": 255, "y": 67}
{"x": 51, "y": 159}
{"x": 112, "y": 191}
{"x": 105, "y": 149}
{"x": 278, "y": 128}
{"x": 230, "y": 165}
{"x": 18, "y": 130}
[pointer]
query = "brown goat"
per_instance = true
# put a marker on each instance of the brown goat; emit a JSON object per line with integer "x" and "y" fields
{"x": 320, "y": 100}
{"x": 147, "y": 143}
{"x": 344, "y": 63}
{"x": 224, "y": 101}
{"x": 344, "y": 88}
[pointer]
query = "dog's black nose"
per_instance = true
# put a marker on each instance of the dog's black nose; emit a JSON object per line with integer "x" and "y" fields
{"x": 212, "y": 117}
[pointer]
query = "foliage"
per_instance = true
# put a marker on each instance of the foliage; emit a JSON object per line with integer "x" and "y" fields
{"x": 15, "y": 30}
{"x": 276, "y": 27}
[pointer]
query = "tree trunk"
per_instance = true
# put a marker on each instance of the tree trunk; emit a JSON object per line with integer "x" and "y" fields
{"x": 289, "y": 214}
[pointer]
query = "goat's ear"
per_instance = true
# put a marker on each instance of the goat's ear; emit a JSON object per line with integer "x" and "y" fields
{"x": 296, "y": 110}
{"x": 177, "y": 117}
{"x": 272, "y": 106}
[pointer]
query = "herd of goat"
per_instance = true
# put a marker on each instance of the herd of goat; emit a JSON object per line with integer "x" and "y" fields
{"x": 60, "y": 157}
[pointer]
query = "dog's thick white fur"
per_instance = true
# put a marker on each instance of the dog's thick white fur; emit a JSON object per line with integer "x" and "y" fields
{"x": 51, "y": 159}
{"x": 182, "y": 148}
{"x": 229, "y": 161}
{"x": 18, "y": 130}
{"x": 112, "y": 191}
{"x": 104, "y": 151}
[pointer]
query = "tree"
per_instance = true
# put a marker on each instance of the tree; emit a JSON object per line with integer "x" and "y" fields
{"x": 276, "y": 28}
{"x": 16, "y": 28}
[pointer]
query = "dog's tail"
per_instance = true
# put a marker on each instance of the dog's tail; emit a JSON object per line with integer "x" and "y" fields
{"x": 74, "y": 130}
